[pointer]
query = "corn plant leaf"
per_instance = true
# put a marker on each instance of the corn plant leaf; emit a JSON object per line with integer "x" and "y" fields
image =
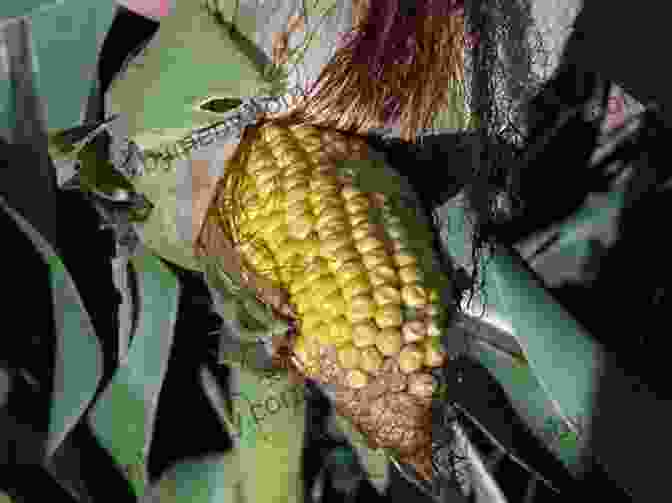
{"x": 539, "y": 323}
{"x": 134, "y": 390}
{"x": 532, "y": 403}
{"x": 78, "y": 366}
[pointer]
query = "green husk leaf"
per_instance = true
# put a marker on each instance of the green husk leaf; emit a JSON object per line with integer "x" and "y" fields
{"x": 98, "y": 175}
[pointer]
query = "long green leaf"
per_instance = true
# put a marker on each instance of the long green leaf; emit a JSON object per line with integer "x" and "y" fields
{"x": 79, "y": 359}
{"x": 135, "y": 387}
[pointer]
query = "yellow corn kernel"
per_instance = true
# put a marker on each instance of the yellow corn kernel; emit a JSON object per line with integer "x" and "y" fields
{"x": 361, "y": 308}
{"x": 364, "y": 230}
{"x": 358, "y": 286}
{"x": 411, "y": 358}
{"x": 322, "y": 333}
{"x": 359, "y": 218}
{"x": 384, "y": 295}
{"x": 303, "y": 301}
{"x": 348, "y": 357}
{"x": 329, "y": 216}
{"x": 410, "y": 274}
{"x": 383, "y": 275}
{"x": 370, "y": 360}
{"x": 356, "y": 379}
{"x": 301, "y": 226}
{"x": 300, "y": 179}
{"x": 389, "y": 341}
{"x": 341, "y": 331}
{"x": 334, "y": 305}
{"x": 333, "y": 228}
{"x": 296, "y": 210}
{"x": 349, "y": 271}
{"x": 376, "y": 258}
{"x": 357, "y": 205}
{"x": 324, "y": 201}
{"x": 311, "y": 319}
{"x": 322, "y": 288}
{"x": 268, "y": 173}
{"x": 369, "y": 244}
{"x": 414, "y": 295}
{"x": 334, "y": 243}
{"x": 298, "y": 193}
{"x": 342, "y": 256}
{"x": 288, "y": 157}
{"x": 300, "y": 167}
{"x": 389, "y": 316}
{"x": 364, "y": 334}
{"x": 404, "y": 259}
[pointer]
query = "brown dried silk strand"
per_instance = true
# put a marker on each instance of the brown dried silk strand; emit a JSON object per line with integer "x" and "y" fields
{"x": 347, "y": 98}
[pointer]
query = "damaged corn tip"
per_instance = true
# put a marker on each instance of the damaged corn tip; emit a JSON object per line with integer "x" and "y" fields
{"x": 435, "y": 355}
{"x": 414, "y": 331}
{"x": 422, "y": 385}
{"x": 371, "y": 360}
{"x": 351, "y": 279}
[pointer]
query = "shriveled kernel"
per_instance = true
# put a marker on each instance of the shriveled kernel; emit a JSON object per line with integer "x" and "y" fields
{"x": 410, "y": 274}
{"x": 389, "y": 341}
{"x": 348, "y": 357}
{"x": 414, "y": 331}
{"x": 422, "y": 385}
{"x": 414, "y": 295}
{"x": 384, "y": 295}
{"x": 389, "y": 316}
{"x": 358, "y": 286}
{"x": 364, "y": 334}
{"x": 356, "y": 379}
{"x": 435, "y": 355}
{"x": 404, "y": 259}
{"x": 369, "y": 244}
{"x": 361, "y": 308}
{"x": 370, "y": 360}
{"x": 411, "y": 358}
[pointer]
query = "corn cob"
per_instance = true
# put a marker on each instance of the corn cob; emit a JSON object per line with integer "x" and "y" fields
{"x": 356, "y": 275}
